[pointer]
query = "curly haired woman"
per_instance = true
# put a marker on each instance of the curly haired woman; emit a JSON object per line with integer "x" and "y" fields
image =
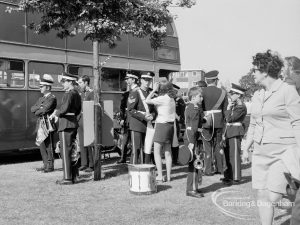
{"x": 275, "y": 130}
{"x": 164, "y": 125}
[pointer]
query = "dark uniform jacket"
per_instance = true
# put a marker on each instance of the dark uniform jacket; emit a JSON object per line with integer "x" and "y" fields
{"x": 136, "y": 110}
{"x": 123, "y": 107}
{"x": 235, "y": 115}
{"x": 69, "y": 110}
{"x": 43, "y": 107}
{"x": 211, "y": 94}
{"x": 193, "y": 120}
{"x": 180, "y": 108}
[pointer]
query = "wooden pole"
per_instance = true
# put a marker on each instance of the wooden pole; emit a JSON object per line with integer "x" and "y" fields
{"x": 97, "y": 112}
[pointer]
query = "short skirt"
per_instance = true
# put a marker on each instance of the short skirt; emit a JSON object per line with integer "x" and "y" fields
{"x": 163, "y": 132}
{"x": 268, "y": 168}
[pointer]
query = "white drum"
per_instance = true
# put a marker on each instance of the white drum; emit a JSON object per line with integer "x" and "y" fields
{"x": 142, "y": 179}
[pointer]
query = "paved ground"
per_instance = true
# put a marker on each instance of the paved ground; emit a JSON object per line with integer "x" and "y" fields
{"x": 30, "y": 197}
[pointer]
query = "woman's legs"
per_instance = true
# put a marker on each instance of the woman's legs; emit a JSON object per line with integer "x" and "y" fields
{"x": 168, "y": 157}
{"x": 157, "y": 158}
{"x": 266, "y": 200}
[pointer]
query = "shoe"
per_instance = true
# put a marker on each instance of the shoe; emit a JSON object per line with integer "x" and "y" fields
{"x": 64, "y": 182}
{"x": 40, "y": 169}
{"x": 163, "y": 179}
{"x": 217, "y": 172}
{"x": 223, "y": 178}
{"x": 89, "y": 170}
{"x": 194, "y": 194}
{"x": 82, "y": 168}
{"x": 200, "y": 192}
{"x": 48, "y": 170}
{"x": 236, "y": 181}
{"x": 227, "y": 182}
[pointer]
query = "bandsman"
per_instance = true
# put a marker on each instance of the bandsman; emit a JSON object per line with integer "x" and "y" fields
{"x": 193, "y": 120}
{"x": 43, "y": 108}
{"x": 124, "y": 122}
{"x": 138, "y": 115}
{"x": 214, "y": 105}
{"x": 234, "y": 115}
{"x": 67, "y": 115}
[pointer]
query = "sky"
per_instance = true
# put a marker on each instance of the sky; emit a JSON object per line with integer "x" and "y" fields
{"x": 223, "y": 35}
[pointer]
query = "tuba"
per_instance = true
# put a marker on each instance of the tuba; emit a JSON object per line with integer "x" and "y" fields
{"x": 199, "y": 161}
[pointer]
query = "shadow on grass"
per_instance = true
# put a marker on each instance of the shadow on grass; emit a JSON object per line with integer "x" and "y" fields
{"x": 20, "y": 157}
{"x": 287, "y": 222}
{"x": 219, "y": 185}
{"x": 287, "y": 212}
{"x": 162, "y": 187}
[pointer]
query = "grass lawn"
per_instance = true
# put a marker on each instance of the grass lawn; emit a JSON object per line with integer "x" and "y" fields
{"x": 30, "y": 197}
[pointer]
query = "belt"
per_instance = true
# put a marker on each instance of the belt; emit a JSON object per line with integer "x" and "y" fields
{"x": 70, "y": 114}
{"x": 212, "y": 111}
{"x": 234, "y": 124}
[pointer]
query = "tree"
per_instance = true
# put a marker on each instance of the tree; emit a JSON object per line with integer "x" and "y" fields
{"x": 248, "y": 83}
{"x": 103, "y": 21}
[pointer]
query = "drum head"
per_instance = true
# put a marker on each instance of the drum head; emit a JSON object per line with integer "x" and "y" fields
{"x": 184, "y": 155}
{"x": 141, "y": 167}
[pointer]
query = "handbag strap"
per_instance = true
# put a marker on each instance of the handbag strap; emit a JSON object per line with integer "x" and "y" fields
{"x": 220, "y": 100}
{"x": 143, "y": 100}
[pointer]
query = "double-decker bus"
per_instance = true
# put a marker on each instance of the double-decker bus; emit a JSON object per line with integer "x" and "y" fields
{"x": 26, "y": 56}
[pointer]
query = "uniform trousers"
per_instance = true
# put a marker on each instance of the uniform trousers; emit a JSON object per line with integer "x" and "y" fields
{"x": 67, "y": 137}
{"x": 213, "y": 158}
{"x": 295, "y": 219}
{"x": 46, "y": 149}
{"x": 233, "y": 159}
{"x": 137, "y": 139}
{"x": 125, "y": 141}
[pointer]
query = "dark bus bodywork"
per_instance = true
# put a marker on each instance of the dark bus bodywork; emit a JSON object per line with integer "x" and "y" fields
{"x": 26, "y": 56}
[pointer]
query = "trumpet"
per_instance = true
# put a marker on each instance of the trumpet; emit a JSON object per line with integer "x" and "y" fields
{"x": 199, "y": 161}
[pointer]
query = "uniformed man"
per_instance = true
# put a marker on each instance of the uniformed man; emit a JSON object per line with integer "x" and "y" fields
{"x": 43, "y": 108}
{"x": 86, "y": 153}
{"x": 68, "y": 124}
{"x": 137, "y": 116}
{"x": 214, "y": 105}
{"x": 180, "y": 108}
{"x": 234, "y": 115}
{"x": 124, "y": 121}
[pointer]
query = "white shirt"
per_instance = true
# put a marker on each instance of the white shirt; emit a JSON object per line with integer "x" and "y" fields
{"x": 165, "y": 108}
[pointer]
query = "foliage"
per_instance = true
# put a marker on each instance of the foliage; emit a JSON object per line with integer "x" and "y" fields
{"x": 104, "y": 20}
{"x": 248, "y": 83}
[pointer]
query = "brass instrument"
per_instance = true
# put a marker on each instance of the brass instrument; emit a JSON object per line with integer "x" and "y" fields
{"x": 199, "y": 161}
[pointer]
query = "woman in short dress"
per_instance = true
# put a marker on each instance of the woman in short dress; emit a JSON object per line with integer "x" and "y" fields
{"x": 275, "y": 130}
{"x": 164, "y": 125}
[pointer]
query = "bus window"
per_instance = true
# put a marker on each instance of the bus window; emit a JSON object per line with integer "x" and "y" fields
{"x": 82, "y": 70}
{"x": 12, "y": 73}
{"x": 38, "y": 69}
{"x": 113, "y": 79}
